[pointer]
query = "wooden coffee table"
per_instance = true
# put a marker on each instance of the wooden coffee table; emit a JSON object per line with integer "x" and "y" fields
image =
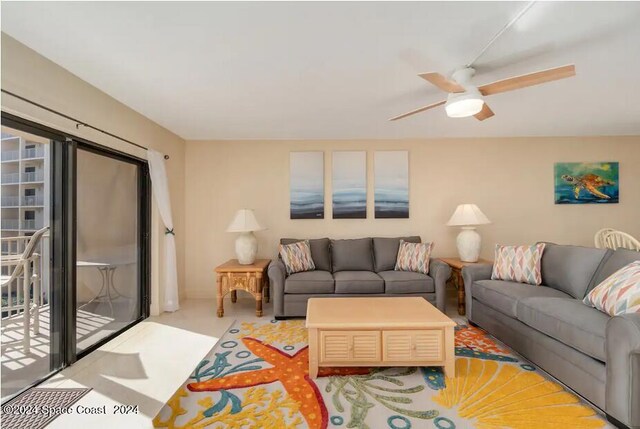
{"x": 379, "y": 332}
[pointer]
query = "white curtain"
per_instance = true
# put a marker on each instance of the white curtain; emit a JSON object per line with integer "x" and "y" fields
{"x": 160, "y": 184}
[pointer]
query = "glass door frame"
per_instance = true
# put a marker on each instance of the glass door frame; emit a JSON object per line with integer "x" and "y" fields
{"x": 63, "y": 231}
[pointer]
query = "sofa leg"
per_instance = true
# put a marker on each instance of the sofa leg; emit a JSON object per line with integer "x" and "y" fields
{"x": 616, "y": 423}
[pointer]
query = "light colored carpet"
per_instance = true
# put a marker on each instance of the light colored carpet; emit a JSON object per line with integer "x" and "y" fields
{"x": 257, "y": 377}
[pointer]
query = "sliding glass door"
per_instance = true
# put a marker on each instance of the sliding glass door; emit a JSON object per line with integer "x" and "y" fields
{"x": 86, "y": 280}
{"x": 107, "y": 241}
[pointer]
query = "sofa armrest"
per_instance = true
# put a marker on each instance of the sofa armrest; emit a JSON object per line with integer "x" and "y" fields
{"x": 471, "y": 274}
{"x": 277, "y": 275}
{"x": 440, "y": 273}
{"x": 623, "y": 369}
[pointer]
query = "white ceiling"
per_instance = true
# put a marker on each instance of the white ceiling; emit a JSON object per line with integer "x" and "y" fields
{"x": 312, "y": 70}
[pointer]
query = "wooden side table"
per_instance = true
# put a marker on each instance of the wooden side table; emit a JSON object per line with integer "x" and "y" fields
{"x": 456, "y": 278}
{"x": 232, "y": 276}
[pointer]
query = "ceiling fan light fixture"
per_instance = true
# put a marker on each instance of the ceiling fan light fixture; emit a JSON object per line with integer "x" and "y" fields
{"x": 462, "y": 105}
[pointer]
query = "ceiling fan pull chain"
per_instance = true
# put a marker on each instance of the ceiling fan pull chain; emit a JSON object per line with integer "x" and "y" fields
{"x": 505, "y": 28}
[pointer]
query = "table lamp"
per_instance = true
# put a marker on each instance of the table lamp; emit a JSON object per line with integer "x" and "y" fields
{"x": 245, "y": 223}
{"x": 468, "y": 216}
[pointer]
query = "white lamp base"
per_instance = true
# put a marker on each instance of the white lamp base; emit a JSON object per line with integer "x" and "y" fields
{"x": 246, "y": 248}
{"x": 468, "y": 243}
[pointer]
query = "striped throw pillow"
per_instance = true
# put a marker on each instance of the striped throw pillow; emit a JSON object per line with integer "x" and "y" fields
{"x": 413, "y": 257}
{"x": 619, "y": 293}
{"x": 297, "y": 257}
{"x": 518, "y": 263}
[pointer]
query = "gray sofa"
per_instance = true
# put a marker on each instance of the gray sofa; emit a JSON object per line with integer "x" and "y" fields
{"x": 359, "y": 267}
{"x": 595, "y": 355}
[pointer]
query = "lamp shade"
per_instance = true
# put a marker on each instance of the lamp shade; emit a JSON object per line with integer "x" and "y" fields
{"x": 244, "y": 221}
{"x": 467, "y": 215}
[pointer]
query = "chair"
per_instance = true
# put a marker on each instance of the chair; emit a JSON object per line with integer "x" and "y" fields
{"x": 601, "y": 236}
{"x": 27, "y": 267}
{"x": 618, "y": 239}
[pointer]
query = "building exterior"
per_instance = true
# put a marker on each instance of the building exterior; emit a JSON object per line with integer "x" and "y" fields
{"x": 24, "y": 196}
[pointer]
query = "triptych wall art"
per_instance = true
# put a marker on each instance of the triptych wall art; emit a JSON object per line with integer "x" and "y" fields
{"x": 586, "y": 183}
{"x": 306, "y": 185}
{"x": 349, "y": 185}
{"x": 391, "y": 175}
{"x": 349, "y": 175}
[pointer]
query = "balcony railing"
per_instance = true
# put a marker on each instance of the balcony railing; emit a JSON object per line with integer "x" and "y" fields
{"x": 34, "y": 152}
{"x": 10, "y": 178}
{"x": 34, "y": 176}
{"x": 10, "y": 201}
{"x": 10, "y": 155}
{"x": 33, "y": 200}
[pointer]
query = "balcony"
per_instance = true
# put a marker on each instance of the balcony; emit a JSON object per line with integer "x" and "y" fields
{"x": 9, "y": 178}
{"x": 34, "y": 176}
{"x": 32, "y": 201}
{"x": 10, "y": 201}
{"x": 31, "y": 153}
{"x": 31, "y": 225}
{"x": 25, "y": 225}
{"x": 10, "y": 224}
{"x": 10, "y": 155}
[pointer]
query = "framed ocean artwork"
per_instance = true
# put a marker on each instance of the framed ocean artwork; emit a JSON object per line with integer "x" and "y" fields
{"x": 306, "y": 185}
{"x": 586, "y": 183}
{"x": 349, "y": 183}
{"x": 391, "y": 177}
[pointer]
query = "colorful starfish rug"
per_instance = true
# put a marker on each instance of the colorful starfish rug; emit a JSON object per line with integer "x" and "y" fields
{"x": 257, "y": 377}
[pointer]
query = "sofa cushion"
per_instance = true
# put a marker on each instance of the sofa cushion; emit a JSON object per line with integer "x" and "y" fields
{"x": 615, "y": 260}
{"x": 352, "y": 255}
{"x": 358, "y": 282}
{"x": 297, "y": 257}
{"x": 309, "y": 282}
{"x": 567, "y": 320}
{"x": 406, "y": 282}
{"x": 570, "y": 268}
{"x": 619, "y": 293}
{"x": 503, "y": 296}
{"x": 518, "y": 263}
{"x": 319, "y": 251}
{"x": 385, "y": 251}
{"x": 414, "y": 257}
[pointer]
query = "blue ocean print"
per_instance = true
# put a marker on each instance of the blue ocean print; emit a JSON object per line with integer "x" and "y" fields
{"x": 306, "y": 185}
{"x": 349, "y": 185}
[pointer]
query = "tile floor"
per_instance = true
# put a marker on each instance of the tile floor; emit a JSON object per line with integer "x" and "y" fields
{"x": 145, "y": 365}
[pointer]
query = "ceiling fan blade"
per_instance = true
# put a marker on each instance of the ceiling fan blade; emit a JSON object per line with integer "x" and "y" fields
{"x": 526, "y": 80}
{"x": 442, "y": 82}
{"x": 485, "y": 113}
{"x": 421, "y": 109}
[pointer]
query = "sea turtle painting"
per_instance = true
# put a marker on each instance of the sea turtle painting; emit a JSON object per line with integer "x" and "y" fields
{"x": 589, "y": 182}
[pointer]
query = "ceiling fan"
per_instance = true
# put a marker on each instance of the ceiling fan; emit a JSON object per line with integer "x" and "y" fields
{"x": 466, "y": 99}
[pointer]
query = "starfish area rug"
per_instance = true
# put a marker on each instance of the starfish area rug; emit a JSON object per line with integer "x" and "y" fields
{"x": 257, "y": 377}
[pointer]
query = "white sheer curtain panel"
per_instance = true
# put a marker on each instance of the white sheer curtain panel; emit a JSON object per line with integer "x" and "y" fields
{"x": 160, "y": 184}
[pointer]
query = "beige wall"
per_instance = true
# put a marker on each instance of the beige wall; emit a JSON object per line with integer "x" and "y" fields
{"x": 31, "y": 75}
{"x": 510, "y": 179}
